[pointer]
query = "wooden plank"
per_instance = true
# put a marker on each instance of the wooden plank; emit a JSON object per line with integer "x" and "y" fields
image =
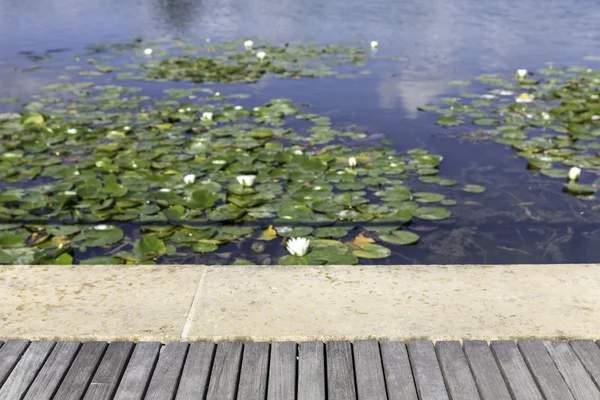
{"x": 311, "y": 371}
{"x": 26, "y": 370}
{"x": 368, "y": 370}
{"x": 107, "y": 377}
{"x": 397, "y": 371}
{"x": 225, "y": 371}
{"x": 138, "y": 372}
{"x": 282, "y": 371}
{"x": 573, "y": 372}
{"x": 81, "y": 372}
{"x": 340, "y": 371}
{"x": 51, "y": 374}
{"x": 514, "y": 370}
{"x": 544, "y": 371}
{"x": 426, "y": 370}
{"x": 165, "y": 378}
{"x": 10, "y": 354}
{"x": 487, "y": 375}
{"x": 456, "y": 372}
{"x": 196, "y": 371}
{"x": 589, "y": 355}
{"x": 254, "y": 372}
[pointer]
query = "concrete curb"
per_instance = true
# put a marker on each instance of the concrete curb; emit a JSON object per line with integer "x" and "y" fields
{"x": 274, "y": 303}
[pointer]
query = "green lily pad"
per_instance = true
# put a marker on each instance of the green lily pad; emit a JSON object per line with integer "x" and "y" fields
{"x": 150, "y": 248}
{"x": 578, "y": 188}
{"x": 448, "y": 121}
{"x": 431, "y": 213}
{"x": 400, "y": 237}
{"x": 473, "y": 188}
{"x": 370, "y": 250}
{"x": 11, "y": 240}
{"x": 330, "y": 232}
{"x": 427, "y": 197}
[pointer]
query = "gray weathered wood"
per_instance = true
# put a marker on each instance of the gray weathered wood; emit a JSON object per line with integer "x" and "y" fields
{"x": 397, "y": 371}
{"x": 456, "y": 372}
{"x": 107, "y": 376}
{"x": 26, "y": 370}
{"x": 340, "y": 371}
{"x": 487, "y": 375}
{"x": 10, "y": 354}
{"x": 254, "y": 372}
{"x": 426, "y": 370}
{"x": 196, "y": 371}
{"x": 225, "y": 371}
{"x": 549, "y": 380}
{"x": 82, "y": 369}
{"x": 589, "y": 355}
{"x": 165, "y": 378}
{"x": 311, "y": 371}
{"x": 368, "y": 370}
{"x": 138, "y": 371}
{"x": 282, "y": 371}
{"x": 47, "y": 380}
{"x": 514, "y": 370}
{"x": 576, "y": 377}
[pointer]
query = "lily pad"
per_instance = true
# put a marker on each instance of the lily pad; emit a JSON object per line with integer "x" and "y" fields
{"x": 400, "y": 237}
{"x": 431, "y": 213}
{"x": 369, "y": 250}
{"x": 473, "y": 188}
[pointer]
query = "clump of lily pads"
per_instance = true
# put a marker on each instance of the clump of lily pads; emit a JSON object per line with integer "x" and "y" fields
{"x": 97, "y": 173}
{"x": 550, "y": 117}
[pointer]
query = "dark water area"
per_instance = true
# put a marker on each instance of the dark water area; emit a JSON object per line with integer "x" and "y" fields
{"x": 522, "y": 217}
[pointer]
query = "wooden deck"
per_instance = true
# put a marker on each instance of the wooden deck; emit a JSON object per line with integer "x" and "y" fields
{"x": 528, "y": 370}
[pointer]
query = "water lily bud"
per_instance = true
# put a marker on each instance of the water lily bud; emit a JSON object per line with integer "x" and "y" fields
{"x": 248, "y": 44}
{"x": 261, "y": 55}
{"x": 298, "y": 246}
{"x": 374, "y": 44}
{"x": 522, "y": 73}
{"x": 189, "y": 178}
{"x": 207, "y": 116}
{"x": 246, "y": 180}
{"x": 148, "y": 52}
{"x": 71, "y": 131}
{"x": 574, "y": 173}
{"x": 352, "y": 162}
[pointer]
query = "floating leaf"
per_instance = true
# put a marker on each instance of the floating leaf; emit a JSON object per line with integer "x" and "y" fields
{"x": 369, "y": 250}
{"x": 400, "y": 237}
{"x": 431, "y": 213}
{"x": 473, "y": 188}
{"x": 578, "y": 188}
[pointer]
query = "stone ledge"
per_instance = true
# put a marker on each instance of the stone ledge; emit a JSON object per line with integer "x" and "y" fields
{"x": 187, "y": 302}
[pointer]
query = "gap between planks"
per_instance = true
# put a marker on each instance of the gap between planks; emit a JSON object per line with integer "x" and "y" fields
{"x": 189, "y": 321}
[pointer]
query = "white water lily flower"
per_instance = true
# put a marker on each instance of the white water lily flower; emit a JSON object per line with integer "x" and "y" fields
{"x": 318, "y": 188}
{"x": 545, "y": 115}
{"x": 101, "y": 227}
{"x": 148, "y": 52}
{"x": 181, "y": 110}
{"x": 522, "y": 73}
{"x": 574, "y": 173}
{"x": 352, "y": 162}
{"x": 207, "y": 116}
{"x": 165, "y": 190}
{"x": 126, "y": 128}
{"x": 217, "y": 94}
{"x": 70, "y": 193}
{"x": 505, "y": 92}
{"x": 595, "y": 117}
{"x": 298, "y": 246}
{"x": 488, "y": 96}
{"x": 374, "y": 44}
{"x": 261, "y": 55}
{"x": 393, "y": 165}
{"x": 298, "y": 152}
{"x": 238, "y": 107}
{"x": 219, "y": 162}
{"x": 246, "y": 180}
{"x": 189, "y": 178}
{"x": 248, "y": 44}
{"x": 71, "y": 131}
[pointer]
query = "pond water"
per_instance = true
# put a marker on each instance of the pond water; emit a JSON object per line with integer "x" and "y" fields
{"x": 522, "y": 217}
